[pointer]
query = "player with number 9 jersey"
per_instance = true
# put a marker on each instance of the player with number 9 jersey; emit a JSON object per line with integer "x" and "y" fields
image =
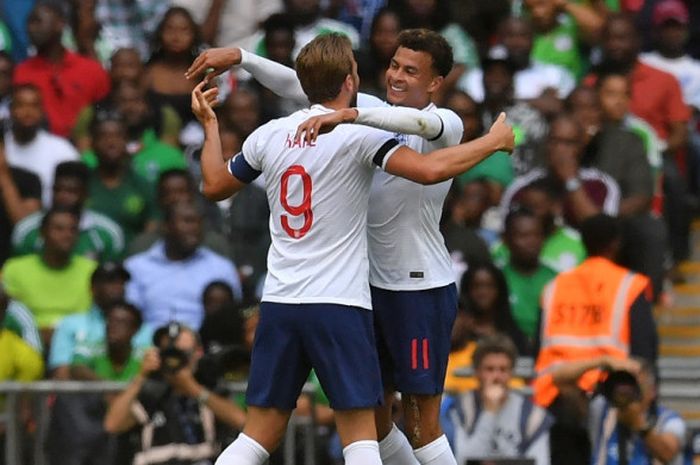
{"x": 318, "y": 196}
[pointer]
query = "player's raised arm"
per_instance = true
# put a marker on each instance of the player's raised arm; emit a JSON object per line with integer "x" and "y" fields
{"x": 443, "y": 164}
{"x": 402, "y": 120}
{"x": 218, "y": 183}
{"x": 280, "y": 79}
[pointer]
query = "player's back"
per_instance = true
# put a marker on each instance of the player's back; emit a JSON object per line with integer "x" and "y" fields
{"x": 318, "y": 196}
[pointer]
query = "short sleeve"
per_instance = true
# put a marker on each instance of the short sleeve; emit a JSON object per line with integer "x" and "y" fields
{"x": 452, "y": 128}
{"x": 29, "y": 364}
{"x": 674, "y": 425}
{"x": 373, "y": 146}
{"x": 62, "y": 345}
{"x": 369, "y": 101}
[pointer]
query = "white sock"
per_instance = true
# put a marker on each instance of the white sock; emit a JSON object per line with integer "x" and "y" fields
{"x": 362, "y": 453}
{"x": 437, "y": 452}
{"x": 243, "y": 451}
{"x": 395, "y": 449}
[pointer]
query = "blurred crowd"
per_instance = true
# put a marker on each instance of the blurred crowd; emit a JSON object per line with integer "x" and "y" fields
{"x": 104, "y": 236}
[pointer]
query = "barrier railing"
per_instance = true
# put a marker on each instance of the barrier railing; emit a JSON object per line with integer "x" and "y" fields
{"x": 40, "y": 390}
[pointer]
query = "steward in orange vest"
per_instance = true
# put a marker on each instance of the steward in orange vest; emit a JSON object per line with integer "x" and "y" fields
{"x": 598, "y": 310}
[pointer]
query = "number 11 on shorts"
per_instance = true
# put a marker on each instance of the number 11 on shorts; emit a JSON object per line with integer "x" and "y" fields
{"x": 424, "y": 349}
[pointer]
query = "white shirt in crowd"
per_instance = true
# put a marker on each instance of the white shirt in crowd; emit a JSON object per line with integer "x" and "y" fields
{"x": 40, "y": 156}
{"x": 685, "y": 69}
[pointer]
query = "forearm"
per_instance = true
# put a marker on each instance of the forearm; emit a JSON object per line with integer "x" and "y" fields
{"x": 569, "y": 373}
{"x": 588, "y": 20}
{"x": 226, "y": 411}
{"x": 214, "y": 172}
{"x": 402, "y": 120}
{"x": 119, "y": 417}
{"x": 278, "y": 78}
{"x": 634, "y": 205}
{"x": 452, "y": 161}
{"x": 17, "y": 207}
{"x": 210, "y": 26}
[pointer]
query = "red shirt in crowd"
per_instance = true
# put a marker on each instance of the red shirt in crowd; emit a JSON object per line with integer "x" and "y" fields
{"x": 656, "y": 98}
{"x": 66, "y": 86}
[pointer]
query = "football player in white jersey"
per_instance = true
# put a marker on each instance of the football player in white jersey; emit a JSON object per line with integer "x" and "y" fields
{"x": 419, "y": 255}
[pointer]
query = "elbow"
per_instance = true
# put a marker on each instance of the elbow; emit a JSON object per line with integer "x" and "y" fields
{"x": 213, "y": 192}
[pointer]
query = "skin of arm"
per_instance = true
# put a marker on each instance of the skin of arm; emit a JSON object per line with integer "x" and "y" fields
{"x": 217, "y": 182}
{"x": 678, "y": 136}
{"x": 210, "y": 25}
{"x": 568, "y": 373}
{"x": 441, "y": 165}
{"x": 663, "y": 446}
{"x": 589, "y": 21}
{"x": 17, "y": 207}
{"x": 634, "y": 204}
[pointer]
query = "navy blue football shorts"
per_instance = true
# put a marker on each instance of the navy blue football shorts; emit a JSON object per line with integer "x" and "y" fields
{"x": 337, "y": 341}
{"x": 413, "y": 330}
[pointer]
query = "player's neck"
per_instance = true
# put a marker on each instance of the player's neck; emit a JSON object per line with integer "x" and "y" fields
{"x": 338, "y": 103}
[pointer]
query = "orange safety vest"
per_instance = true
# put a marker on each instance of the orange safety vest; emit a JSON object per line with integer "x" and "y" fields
{"x": 585, "y": 314}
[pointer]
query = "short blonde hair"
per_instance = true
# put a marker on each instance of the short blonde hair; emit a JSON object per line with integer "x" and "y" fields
{"x": 322, "y": 66}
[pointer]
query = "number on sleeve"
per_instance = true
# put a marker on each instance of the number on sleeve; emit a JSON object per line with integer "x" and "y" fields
{"x": 302, "y": 209}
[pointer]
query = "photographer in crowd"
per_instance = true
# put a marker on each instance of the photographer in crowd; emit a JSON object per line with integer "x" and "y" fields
{"x": 169, "y": 415}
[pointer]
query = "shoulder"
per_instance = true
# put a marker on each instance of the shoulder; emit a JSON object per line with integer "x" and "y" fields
{"x": 214, "y": 258}
{"x": 369, "y": 101}
{"x": 84, "y": 263}
{"x": 60, "y": 147}
{"x": 570, "y": 233}
{"x": 27, "y": 225}
{"x": 20, "y": 263}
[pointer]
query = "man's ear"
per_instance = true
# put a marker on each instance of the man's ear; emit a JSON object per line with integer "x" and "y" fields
{"x": 435, "y": 84}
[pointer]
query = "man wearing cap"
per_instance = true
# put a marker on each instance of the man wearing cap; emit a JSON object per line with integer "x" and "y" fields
{"x": 83, "y": 333}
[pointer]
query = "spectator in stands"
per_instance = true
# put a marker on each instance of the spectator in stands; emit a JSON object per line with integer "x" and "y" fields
{"x": 656, "y": 95}
{"x": 496, "y": 170}
{"x": 55, "y": 282}
{"x": 150, "y": 155}
{"x": 85, "y": 333}
{"x": 7, "y": 66}
{"x": 468, "y": 211}
{"x": 484, "y": 310}
{"x": 435, "y": 15}
{"x": 99, "y": 238}
{"x": 279, "y": 44}
{"x": 177, "y": 43}
{"x": 495, "y": 421}
{"x": 242, "y": 111}
{"x": 153, "y": 131}
{"x": 169, "y": 278}
{"x": 562, "y": 249}
{"x": 585, "y": 191}
{"x": 105, "y": 26}
{"x": 306, "y": 15}
{"x": 529, "y": 124}
{"x": 533, "y": 81}
{"x": 618, "y": 149}
{"x": 374, "y": 59}
{"x": 230, "y": 22}
{"x": 67, "y": 81}
{"x": 116, "y": 360}
{"x": 125, "y": 65}
{"x": 670, "y": 29}
{"x": 20, "y": 321}
{"x": 223, "y": 322}
{"x": 561, "y": 29}
{"x": 30, "y": 147}
{"x": 178, "y": 410}
{"x": 175, "y": 186}
{"x": 116, "y": 190}
{"x": 597, "y": 301}
{"x": 525, "y": 274}
{"x": 646, "y": 431}
{"x": 20, "y": 196}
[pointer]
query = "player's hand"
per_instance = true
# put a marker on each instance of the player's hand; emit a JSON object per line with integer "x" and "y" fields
{"x": 203, "y": 102}
{"x": 313, "y": 127}
{"x": 150, "y": 362}
{"x": 183, "y": 380}
{"x": 503, "y": 133}
{"x": 216, "y": 59}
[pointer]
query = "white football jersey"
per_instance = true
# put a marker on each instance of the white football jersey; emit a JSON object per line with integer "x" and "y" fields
{"x": 406, "y": 249}
{"x": 318, "y": 197}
